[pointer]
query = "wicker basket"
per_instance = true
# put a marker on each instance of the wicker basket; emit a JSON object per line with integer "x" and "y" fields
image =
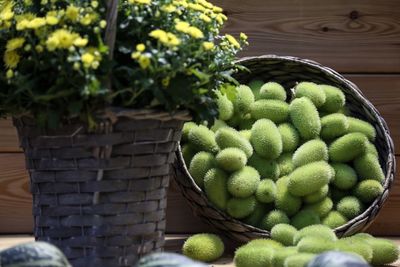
{"x": 101, "y": 196}
{"x": 288, "y": 71}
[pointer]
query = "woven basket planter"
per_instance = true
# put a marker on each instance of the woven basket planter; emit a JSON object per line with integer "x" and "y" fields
{"x": 101, "y": 196}
{"x": 287, "y": 71}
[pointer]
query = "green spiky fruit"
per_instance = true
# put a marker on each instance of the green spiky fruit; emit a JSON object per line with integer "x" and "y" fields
{"x": 251, "y": 256}
{"x": 283, "y": 233}
{"x": 348, "y": 147}
{"x": 274, "y": 110}
{"x": 255, "y": 86}
{"x": 345, "y": 176}
{"x": 317, "y": 196}
{"x": 360, "y": 126}
{"x": 299, "y": 260}
{"x": 266, "y": 139}
{"x": 264, "y": 242}
{"x": 309, "y": 178}
{"x": 334, "y": 219}
{"x": 311, "y": 151}
{"x": 203, "y": 247}
{"x": 312, "y": 91}
{"x": 231, "y": 159}
{"x": 186, "y": 130}
{"x": 229, "y": 137}
{"x": 284, "y": 200}
{"x": 350, "y": 207}
{"x": 371, "y": 149}
{"x": 383, "y": 251}
{"x": 315, "y": 245}
{"x": 266, "y": 191}
{"x": 225, "y": 107}
{"x": 246, "y": 134}
{"x": 356, "y": 246}
{"x": 305, "y": 118}
{"x": 201, "y": 163}
{"x": 316, "y": 230}
{"x": 244, "y": 99}
{"x": 273, "y": 218}
{"x": 367, "y": 167}
{"x": 244, "y": 182}
{"x": 322, "y": 208}
{"x": 333, "y": 126}
{"x": 218, "y": 124}
{"x": 188, "y": 153}
{"x": 335, "y": 99}
{"x": 215, "y": 187}
{"x": 305, "y": 218}
{"x": 203, "y": 139}
{"x": 268, "y": 169}
{"x": 247, "y": 122}
{"x": 281, "y": 255}
{"x": 240, "y": 208}
{"x": 290, "y": 137}
{"x": 273, "y": 90}
{"x": 285, "y": 164}
{"x": 256, "y": 216}
{"x": 368, "y": 190}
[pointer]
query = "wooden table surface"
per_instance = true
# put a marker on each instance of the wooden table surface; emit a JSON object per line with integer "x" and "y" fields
{"x": 173, "y": 244}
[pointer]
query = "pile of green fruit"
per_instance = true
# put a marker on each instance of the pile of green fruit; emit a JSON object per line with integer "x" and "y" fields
{"x": 289, "y": 247}
{"x": 269, "y": 159}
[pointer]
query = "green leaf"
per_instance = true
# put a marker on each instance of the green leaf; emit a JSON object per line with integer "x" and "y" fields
{"x": 229, "y": 90}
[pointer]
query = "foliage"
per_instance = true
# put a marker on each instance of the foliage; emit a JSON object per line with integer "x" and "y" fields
{"x": 169, "y": 55}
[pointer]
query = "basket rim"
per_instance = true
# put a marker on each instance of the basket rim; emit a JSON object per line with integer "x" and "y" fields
{"x": 389, "y": 158}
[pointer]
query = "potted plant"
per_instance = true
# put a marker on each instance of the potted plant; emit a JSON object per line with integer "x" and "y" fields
{"x": 99, "y": 91}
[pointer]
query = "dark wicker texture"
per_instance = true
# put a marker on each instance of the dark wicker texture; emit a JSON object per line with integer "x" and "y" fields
{"x": 288, "y": 71}
{"x": 101, "y": 196}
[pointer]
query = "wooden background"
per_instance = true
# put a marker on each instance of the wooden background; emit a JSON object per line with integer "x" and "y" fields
{"x": 359, "y": 38}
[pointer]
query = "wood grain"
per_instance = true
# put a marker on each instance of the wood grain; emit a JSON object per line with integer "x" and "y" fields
{"x": 15, "y": 204}
{"x": 351, "y": 36}
{"x": 382, "y": 90}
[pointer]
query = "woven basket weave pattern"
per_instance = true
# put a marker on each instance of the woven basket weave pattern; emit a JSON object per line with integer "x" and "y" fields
{"x": 288, "y": 71}
{"x": 101, "y": 196}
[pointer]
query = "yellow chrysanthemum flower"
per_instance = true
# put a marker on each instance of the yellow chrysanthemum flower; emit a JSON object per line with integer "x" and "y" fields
{"x": 232, "y": 40}
{"x": 87, "y": 59}
{"x": 6, "y": 10}
{"x": 180, "y": 3}
{"x": 243, "y": 36}
{"x": 62, "y": 38}
{"x": 182, "y": 26}
{"x": 217, "y": 9}
{"x": 103, "y": 24}
{"x": 94, "y": 4}
{"x": 143, "y": 2}
{"x": 36, "y": 23}
{"x": 196, "y": 7}
{"x": 15, "y": 43}
{"x": 195, "y": 32}
{"x": 144, "y": 61}
{"x": 22, "y": 25}
{"x": 208, "y": 45}
{"x": 140, "y": 47}
{"x": 205, "y": 18}
{"x": 206, "y": 4}
{"x": 135, "y": 55}
{"x": 9, "y": 74}
{"x": 51, "y": 20}
{"x": 166, "y": 38}
{"x": 72, "y": 13}
{"x": 11, "y": 59}
{"x": 81, "y": 42}
{"x": 168, "y": 8}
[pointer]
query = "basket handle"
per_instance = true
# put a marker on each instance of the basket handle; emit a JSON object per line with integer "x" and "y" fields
{"x": 111, "y": 33}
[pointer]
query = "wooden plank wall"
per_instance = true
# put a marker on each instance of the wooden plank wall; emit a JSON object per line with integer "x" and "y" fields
{"x": 359, "y": 38}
